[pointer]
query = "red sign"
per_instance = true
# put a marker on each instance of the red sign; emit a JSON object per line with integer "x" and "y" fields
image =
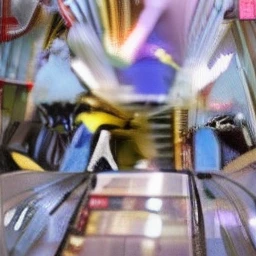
{"x": 247, "y": 9}
{"x": 96, "y": 202}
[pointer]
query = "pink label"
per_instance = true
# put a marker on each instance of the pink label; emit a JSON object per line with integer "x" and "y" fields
{"x": 98, "y": 202}
{"x": 247, "y": 9}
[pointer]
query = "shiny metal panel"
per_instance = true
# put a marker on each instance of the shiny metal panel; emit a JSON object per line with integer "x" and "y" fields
{"x": 141, "y": 184}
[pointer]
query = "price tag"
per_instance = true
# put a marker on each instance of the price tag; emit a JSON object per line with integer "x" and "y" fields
{"x": 247, "y": 9}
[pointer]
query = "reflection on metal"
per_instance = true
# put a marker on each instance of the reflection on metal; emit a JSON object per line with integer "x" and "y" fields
{"x": 235, "y": 207}
{"x": 153, "y": 184}
{"x": 126, "y": 216}
{"x": 252, "y": 222}
{"x": 32, "y": 210}
{"x": 8, "y": 216}
{"x": 153, "y": 227}
{"x": 154, "y": 204}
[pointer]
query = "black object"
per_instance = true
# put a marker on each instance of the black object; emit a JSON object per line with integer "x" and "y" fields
{"x": 230, "y": 132}
{"x": 56, "y": 114}
{"x": 44, "y": 145}
{"x": 6, "y": 162}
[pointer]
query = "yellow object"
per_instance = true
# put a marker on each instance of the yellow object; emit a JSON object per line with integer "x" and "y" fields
{"x": 94, "y": 120}
{"x": 105, "y": 16}
{"x": 98, "y": 104}
{"x": 166, "y": 58}
{"x": 118, "y": 19}
{"x": 180, "y": 126}
{"x": 25, "y": 163}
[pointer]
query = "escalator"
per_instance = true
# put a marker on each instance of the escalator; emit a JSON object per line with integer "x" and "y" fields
{"x": 233, "y": 208}
{"x": 131, "y": 213}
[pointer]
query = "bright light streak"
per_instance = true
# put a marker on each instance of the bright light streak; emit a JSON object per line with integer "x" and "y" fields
{"x": 153, "y": 228}
{"x": 155, "y": 184}
{"x": 19, "y": 222}
{"x": 154, "y": 204}
{"x": 252, "y": 222}
{"x": 9, "y": 216}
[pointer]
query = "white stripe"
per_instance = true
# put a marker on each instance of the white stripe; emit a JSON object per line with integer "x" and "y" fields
{"x": 20, "y": 220}
{"x": 9, "y": 216}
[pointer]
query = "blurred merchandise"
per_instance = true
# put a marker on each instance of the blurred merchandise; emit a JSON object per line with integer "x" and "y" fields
{"x": 127, "y": 127}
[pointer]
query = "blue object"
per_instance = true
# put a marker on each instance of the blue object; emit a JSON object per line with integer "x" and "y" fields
{"x": 148, "y": 75}
{"x": 78, "y": 153}
{"x": 207, "y": 151}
